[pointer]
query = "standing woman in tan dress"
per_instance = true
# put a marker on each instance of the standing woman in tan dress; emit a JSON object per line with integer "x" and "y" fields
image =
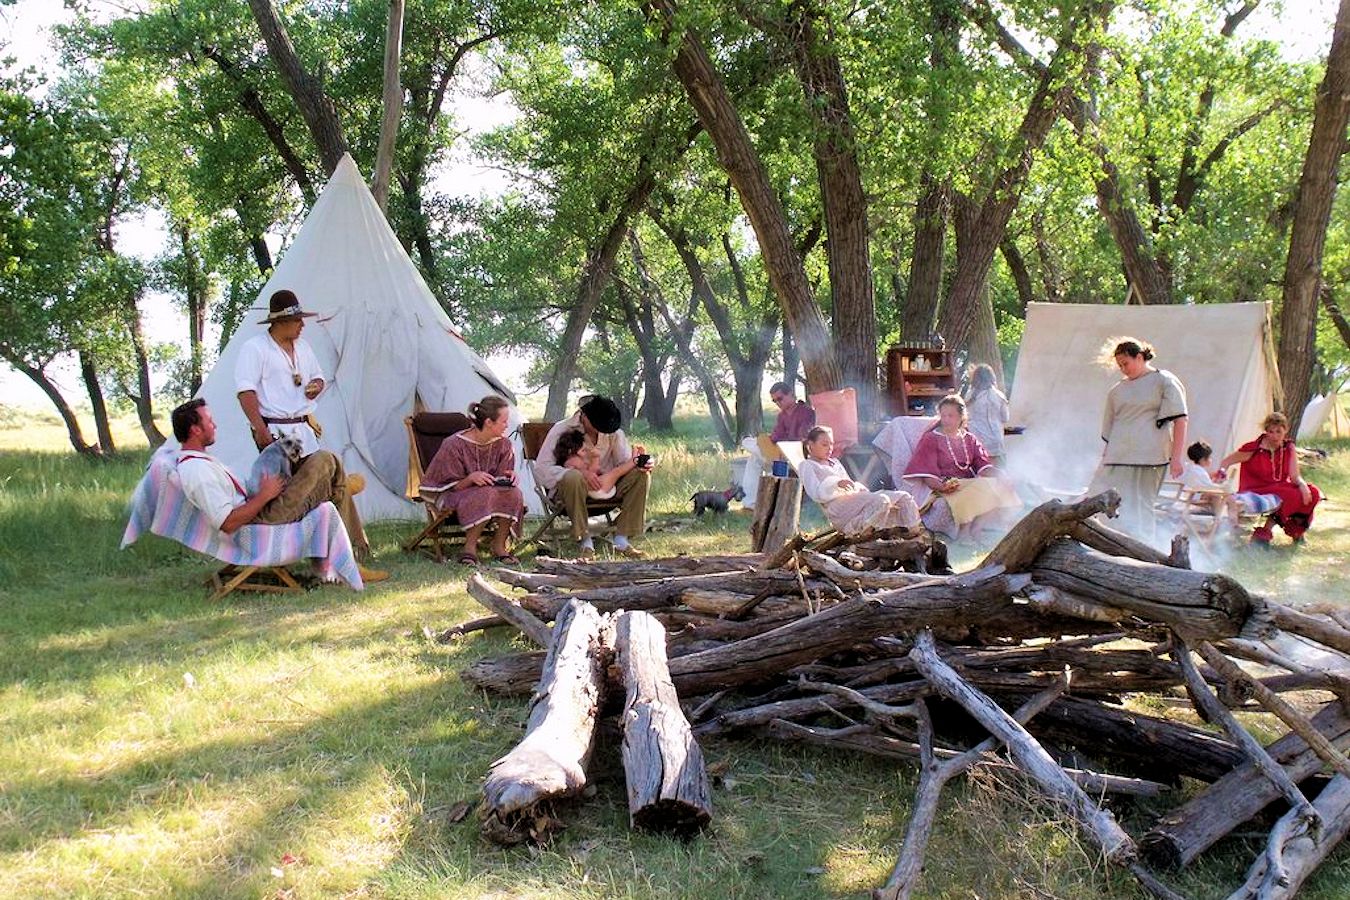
{"x": 1144, "y": 427}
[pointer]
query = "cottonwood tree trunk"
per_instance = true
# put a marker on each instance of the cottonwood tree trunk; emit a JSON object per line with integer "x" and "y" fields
{"x": 919, "y": 316}
{"x": 252, "y": 102}
{"x": 89, "y": 374}
{"x": 792, "y": 360}
{"x": 393, "y": 106}
{"x": 717, "y": 407}
{"x": 316, "y": 108}
{"x": 39, "y": 377}
{"x": 1307, "y": 239}
{"x": 1147, "y": 271}
{"x": 194, "y": 296}
{"x": 1337, "y": 317}
{"x": 1021, "y": 275}
{"x": 967, "y": 306}
{"x": 853, "y": 321}
{"x": 642, "y": 325}
{"x": 747, "y": 362}
{"x": 925, "y": 267}
{"x": 982, "y": 343}
{"x": 143, "y": 399}
{"x": 594, "y": 276}
{"x": 711, "y": 100}
{"x": 427, "y": 87}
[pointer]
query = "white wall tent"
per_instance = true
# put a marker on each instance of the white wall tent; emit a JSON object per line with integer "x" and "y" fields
{"x": 1325, "y": 415}
{"x": 381, "y": 338}
{"x": 1221, "y": 352}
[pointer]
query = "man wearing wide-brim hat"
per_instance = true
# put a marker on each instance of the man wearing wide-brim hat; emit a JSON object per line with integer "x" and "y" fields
{"x": 598, "y": 419}
{"x": 279, "y": 380}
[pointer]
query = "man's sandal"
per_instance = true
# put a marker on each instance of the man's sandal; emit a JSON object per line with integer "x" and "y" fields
{"x": 506, "y": 559}
{"x": 468, "y": 559}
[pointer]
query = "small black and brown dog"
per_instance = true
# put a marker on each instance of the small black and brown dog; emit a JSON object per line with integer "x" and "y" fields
{"x": 716, "y": 501}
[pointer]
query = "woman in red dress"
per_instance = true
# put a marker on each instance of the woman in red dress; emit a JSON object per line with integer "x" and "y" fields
{"x": 1269, "y": 465}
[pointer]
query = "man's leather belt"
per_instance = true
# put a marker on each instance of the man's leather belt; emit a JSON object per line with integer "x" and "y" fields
{"x": 295, "y": 420}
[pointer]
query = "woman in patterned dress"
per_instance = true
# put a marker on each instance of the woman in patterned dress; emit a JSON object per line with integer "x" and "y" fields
{"x": 478, "y": 465}
{"x": 951, "y": 463}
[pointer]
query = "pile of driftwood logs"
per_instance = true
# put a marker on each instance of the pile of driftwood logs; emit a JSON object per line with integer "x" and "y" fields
{"x": 1023, "y": 661}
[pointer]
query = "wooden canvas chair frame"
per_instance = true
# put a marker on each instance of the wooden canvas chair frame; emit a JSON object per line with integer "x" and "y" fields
{"x": 1193, "y": 510}
{"x": 426, "y": 430}
{"x": 557, "y": 525}
{"x": 262, "y": 579}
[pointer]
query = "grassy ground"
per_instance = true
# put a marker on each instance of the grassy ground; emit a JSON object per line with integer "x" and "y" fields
{"x": 323, "y": 745}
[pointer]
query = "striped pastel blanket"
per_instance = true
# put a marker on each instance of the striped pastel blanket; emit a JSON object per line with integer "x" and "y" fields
{"x": 160, "y": 507}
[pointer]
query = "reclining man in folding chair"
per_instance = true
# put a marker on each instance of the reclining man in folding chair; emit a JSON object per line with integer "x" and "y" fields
{"x": 211, "y": 487}
{"x": 598, "y": 419}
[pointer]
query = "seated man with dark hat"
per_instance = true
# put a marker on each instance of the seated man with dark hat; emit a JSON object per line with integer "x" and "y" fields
{"x": 598, "y": 421}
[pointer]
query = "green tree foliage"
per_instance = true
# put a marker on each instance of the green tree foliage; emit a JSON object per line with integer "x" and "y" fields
{"x": 63, "y": 287}
{"x": 1182, "y": 115}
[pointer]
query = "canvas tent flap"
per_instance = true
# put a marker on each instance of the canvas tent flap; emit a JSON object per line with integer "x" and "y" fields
{"x": 1217, "y": 350}
{"x": 380, "y": 336}
{"x": 1325, "y": 414}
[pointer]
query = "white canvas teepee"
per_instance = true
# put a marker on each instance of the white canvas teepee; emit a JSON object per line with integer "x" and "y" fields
{"x": 380, "y": 335}
{"x": 1221, "y": 352}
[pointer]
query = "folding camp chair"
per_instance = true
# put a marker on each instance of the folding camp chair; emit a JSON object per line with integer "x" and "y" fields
{"x": 255, "y": 555}
{"x": 532, "y": 435}
{"x": 426, "y": 431}
{"x": 263, "y": 579}
{"x": 1191, "y": 510}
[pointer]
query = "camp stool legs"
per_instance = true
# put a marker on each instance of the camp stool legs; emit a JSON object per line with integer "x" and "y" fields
{"x": 442, "y": 530}
{"x": 552, "y": 531}
{"x": 263, "y": 579}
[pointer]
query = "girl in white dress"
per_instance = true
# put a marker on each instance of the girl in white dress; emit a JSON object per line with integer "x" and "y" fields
{"x": 848, "y": 505}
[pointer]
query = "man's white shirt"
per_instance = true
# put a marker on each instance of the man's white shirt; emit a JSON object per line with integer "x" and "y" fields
{"x": 209, "y": 485}
{"x": 263, "y": 367}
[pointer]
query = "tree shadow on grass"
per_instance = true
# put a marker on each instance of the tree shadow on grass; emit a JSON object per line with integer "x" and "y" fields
{"x": 294, "y": 783}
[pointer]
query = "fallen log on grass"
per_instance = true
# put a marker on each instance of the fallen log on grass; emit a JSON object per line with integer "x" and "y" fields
{"x": 832, "y": 609}
{"x": 1301, "y": 854}
{"x": 549, "y": 763}
{"x": 1199, "y": 605}
{"x": 946, "y": 601}
{"x": 509, "y": 609}
{"x": 668, "y": 789}
{"x": 1026, "y": 751}
{"x": 1184, "y": 833}
{"x": 1018, "y": 548}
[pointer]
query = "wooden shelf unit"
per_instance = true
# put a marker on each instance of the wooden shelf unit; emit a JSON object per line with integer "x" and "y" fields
{"x": 916, "y": 393}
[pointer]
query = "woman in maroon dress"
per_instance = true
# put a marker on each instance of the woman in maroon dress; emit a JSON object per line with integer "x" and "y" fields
{"x": 479, "y": 466}
{"x": 1269, "y": 465}
{"x": 951, "y": 462}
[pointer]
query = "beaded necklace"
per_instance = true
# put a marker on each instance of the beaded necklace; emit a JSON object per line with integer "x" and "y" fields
{"x": 1276, "y": 456}
{"x": 964, "y": 466}
{"x": 480, "y": 451}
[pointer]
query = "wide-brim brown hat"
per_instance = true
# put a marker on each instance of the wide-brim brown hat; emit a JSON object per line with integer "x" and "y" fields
{"x": 602, "y": 413}
{"x": 284, "y": 305}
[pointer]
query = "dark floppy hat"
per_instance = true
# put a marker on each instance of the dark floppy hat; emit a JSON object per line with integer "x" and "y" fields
{"x": 284, "y": 305}
{"x": 602, "y": 413}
